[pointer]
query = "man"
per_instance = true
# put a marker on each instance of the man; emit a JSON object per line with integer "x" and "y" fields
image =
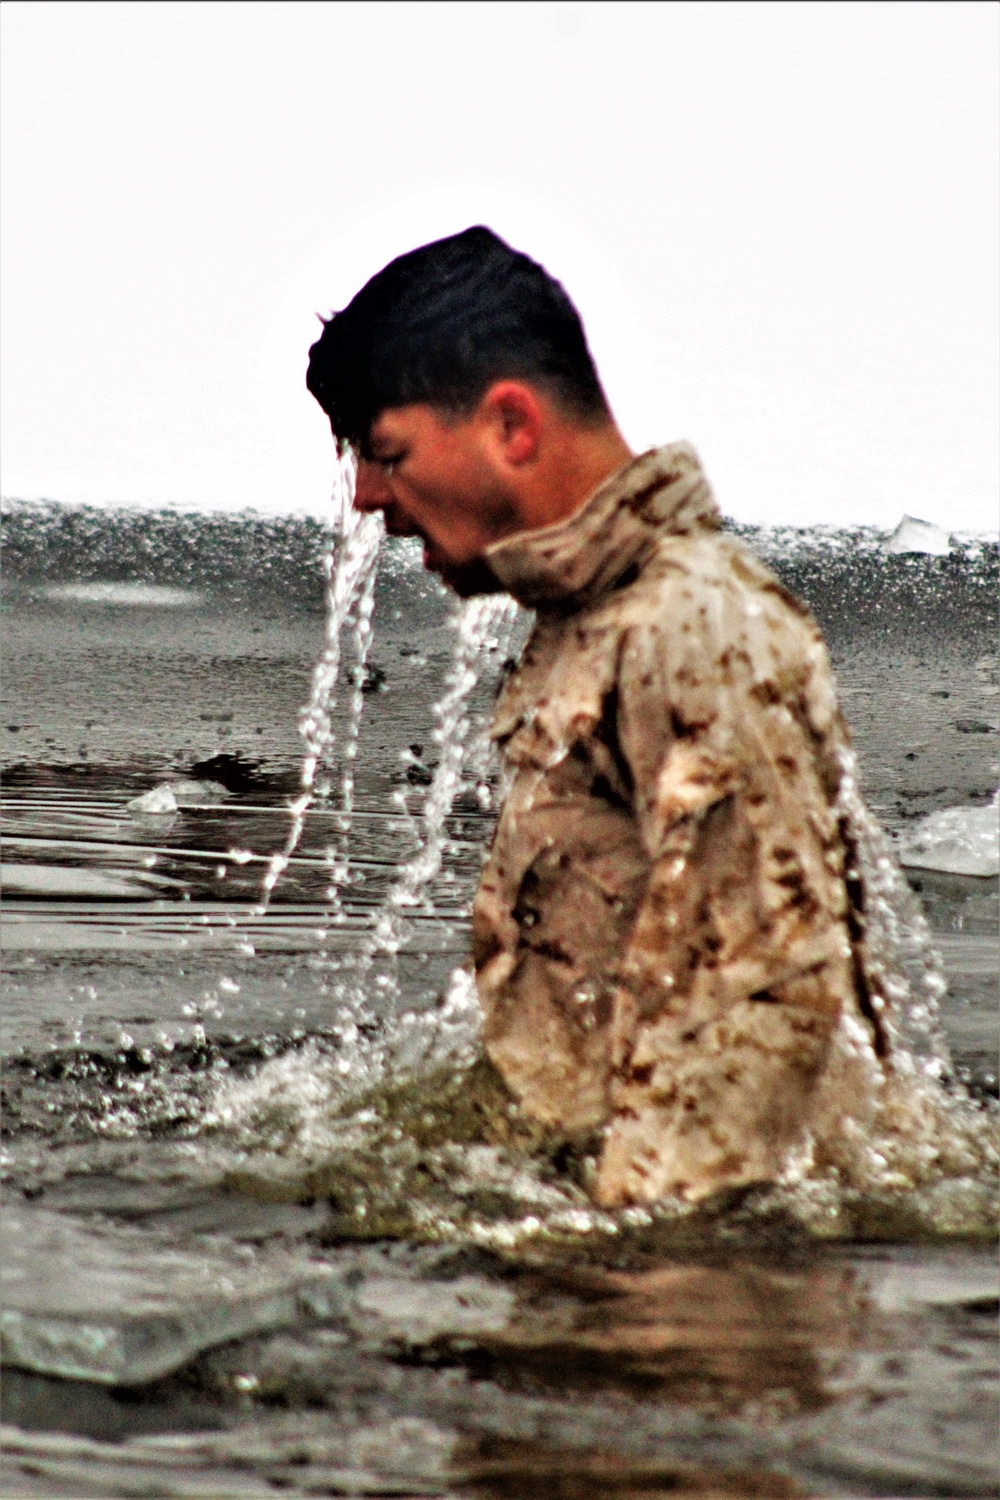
{"x": 668, "y": 933}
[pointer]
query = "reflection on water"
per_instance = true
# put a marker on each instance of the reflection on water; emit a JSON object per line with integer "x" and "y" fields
{"x": 273, "y": 1225}
{"x": 430, "y": 1372}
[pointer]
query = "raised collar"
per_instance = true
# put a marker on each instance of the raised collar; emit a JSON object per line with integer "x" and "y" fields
{"x": 581, "y": 557}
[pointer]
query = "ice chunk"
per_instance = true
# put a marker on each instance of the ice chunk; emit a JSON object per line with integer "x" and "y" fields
{"x": 912, "y": 535}
{"x": 72, "y": 884}
{"x": 160, "y": 800}
{"x": 957, "y": 841}
{"x": 110, "y": 1304}
{"x": 938, "y": 1279}
{"x": 129, "y": 594}
{"x": 194, "y": 793}
{"x": 171, "y": 795}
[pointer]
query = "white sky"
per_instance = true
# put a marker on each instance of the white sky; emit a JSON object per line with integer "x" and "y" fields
{"x": 780, "y": 223}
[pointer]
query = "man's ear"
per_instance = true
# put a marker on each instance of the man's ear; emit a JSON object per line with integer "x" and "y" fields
{"x": 515, "y": 416}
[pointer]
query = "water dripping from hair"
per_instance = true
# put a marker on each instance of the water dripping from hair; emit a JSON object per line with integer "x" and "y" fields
{"x": 350, "y": 569}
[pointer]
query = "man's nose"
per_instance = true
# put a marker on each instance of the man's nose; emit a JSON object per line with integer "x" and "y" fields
{"x": 372, "y": 491}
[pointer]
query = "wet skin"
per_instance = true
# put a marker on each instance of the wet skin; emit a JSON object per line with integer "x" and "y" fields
{"x": 462, "y": 482}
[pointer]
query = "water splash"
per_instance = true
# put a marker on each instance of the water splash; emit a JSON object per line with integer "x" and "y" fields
{"x": 337, "y": 854}
{"x": 306, "y": 1105}
{"x": 399, "y": 1119}
{"x": 395, "y": 1114}
{"x": 478, "y": 624}
{"x": 350, "y": 569}
{"x": 898, "y": 1148}
{"x": 370, "y": 988}
{"x": 904, "y": 968}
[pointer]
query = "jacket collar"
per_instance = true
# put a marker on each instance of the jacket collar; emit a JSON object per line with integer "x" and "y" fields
{"x": 578, "y": 559}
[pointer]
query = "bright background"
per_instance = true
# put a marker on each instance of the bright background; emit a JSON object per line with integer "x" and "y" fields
{"x": 780, "y": 223}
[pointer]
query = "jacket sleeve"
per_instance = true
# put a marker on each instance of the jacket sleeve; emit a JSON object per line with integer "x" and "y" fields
{"x": 726, "y": 720}
{"x": 738, "y": 963}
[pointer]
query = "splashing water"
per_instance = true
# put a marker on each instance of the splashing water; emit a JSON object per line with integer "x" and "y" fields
{"x": 392, "y": 1113}
{"x": 913, "y": 1152}
{"x": 476, "y": 624}
{"x": 337, "y": 853}
{"x": 350, "y": 569}
{"x": 307, "y": 1087}
{"x": 899, "y": 951}
{"x": 313, "y": 1108}
{"x": 368, "y": 1052}
{"x": 396, "y": 1120}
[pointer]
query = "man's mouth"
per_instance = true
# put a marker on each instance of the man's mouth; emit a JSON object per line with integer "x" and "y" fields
{"x": 395, "y": 526}
{"x": 465, "y": 578}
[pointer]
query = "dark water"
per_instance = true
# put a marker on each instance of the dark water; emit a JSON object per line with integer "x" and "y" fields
{"x": 256, "y": 1239}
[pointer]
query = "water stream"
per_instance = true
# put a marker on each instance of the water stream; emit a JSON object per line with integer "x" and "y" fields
{"x": 483, "y": 624}
{"x": 350, "y": 569}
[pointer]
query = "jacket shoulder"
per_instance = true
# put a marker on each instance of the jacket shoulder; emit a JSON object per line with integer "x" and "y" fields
{"x": 687, "y": 572}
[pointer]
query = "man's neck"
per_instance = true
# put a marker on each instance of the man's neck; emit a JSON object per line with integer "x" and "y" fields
{"x": 575, "y": 461}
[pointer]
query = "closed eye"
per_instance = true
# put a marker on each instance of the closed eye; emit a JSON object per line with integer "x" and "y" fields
{"x": 388, "y": 461}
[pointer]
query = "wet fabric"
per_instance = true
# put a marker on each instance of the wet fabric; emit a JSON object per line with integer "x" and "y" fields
{"x": 668, "y": 932}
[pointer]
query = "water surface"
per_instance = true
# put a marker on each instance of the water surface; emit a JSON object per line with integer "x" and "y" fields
{"x": 257, "y": 1237}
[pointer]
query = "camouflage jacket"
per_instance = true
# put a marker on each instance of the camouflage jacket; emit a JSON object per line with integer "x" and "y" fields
{"x": 665, "y": 934}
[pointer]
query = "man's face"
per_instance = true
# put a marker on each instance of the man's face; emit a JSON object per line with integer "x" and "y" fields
{"x": 437, "y": 477}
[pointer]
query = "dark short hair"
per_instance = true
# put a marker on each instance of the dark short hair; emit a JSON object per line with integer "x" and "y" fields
{"x": 439, "y": 325}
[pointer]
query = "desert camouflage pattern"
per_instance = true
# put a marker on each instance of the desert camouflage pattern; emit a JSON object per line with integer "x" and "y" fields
{"x": 668, "y": 932}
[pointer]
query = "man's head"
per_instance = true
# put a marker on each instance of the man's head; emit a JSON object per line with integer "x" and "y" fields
{"x": 460, "y": 375}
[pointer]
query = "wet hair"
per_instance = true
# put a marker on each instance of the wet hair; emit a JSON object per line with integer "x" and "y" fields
{"x": 439, "y": 325}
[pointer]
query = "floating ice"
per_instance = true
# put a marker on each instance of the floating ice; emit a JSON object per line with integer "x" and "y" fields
{"x": 160, "y": 800}
{"x": 937, "y": 1280}
{"x": 912, "y": 535}
{"x": 73, "y": 884}
{"x": 105, "y": 1304}
{"x": 195, "y": 793}
{"x": 171, "y": 795}
{"x": 133, "y": 595}
{"x": 957, "y": 841}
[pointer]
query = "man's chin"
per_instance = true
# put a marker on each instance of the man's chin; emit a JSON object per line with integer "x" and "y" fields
{"x": 466, "y": 579}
